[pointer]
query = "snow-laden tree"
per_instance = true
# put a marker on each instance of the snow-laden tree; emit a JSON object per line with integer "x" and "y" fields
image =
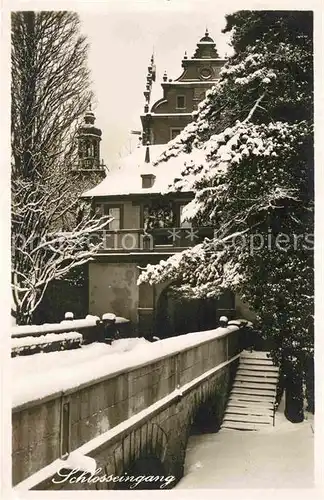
{"x": 50, "y": 91}
{"x": 248, "y": 158}
{"x": 40, "y": 254}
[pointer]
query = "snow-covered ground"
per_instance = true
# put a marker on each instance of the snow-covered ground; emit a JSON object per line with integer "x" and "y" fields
{"x": 280, "y": 457}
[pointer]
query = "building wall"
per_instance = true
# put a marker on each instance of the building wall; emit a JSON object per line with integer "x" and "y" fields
{"x": 161, "y": 126}
{"x": 112, "y": 288}
{"x": 131, "y": 215}
{"x": 193, "y": 67}
{"x": 130, "y": 212}
{"x": 193, "y": 88}
{"x": 190, "y": 92}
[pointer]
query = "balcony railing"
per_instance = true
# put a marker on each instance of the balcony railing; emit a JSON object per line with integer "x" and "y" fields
{"x": 157, "y": 240}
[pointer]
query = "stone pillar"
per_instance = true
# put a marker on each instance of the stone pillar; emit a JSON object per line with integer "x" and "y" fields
{"x": 225, "y": 305}
{"x": 146, "y": 311}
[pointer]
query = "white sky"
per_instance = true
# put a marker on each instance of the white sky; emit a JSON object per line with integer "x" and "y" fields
{"x": 122, "y": 36}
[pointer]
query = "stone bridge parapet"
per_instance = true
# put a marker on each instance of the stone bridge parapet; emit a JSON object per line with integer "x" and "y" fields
{"x": 139, "y": 415}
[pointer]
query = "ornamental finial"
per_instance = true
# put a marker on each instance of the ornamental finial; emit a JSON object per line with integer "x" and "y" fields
{"x": 147, "y": 152}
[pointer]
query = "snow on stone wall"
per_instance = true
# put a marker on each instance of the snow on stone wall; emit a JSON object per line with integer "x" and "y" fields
{"x": 44, "y": 339}
{"x": 70, "y": 369}
{"x": 38, "y": 330}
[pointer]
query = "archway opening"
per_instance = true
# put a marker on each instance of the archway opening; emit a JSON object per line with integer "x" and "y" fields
{"x": 208, "y": 416}
{"x": 178, "y": 315}
{"x": 205, "y": 419}
{"x": 146, "y": 473}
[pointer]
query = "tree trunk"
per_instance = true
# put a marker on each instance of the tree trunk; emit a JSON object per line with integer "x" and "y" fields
{"x": 309, "y": 380}
{"x": 294, "y": 410}
{"x": 23, "y": 317}
{"x": 29, "y": 96}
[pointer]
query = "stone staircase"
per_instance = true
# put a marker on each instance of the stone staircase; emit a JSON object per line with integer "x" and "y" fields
{"x": 252, "y": 400}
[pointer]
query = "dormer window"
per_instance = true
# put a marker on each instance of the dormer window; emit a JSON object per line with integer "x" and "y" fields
{"x": 181, "y": 102}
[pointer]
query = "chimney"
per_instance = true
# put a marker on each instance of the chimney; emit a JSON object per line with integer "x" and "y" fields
{"x": 147, "y": 180}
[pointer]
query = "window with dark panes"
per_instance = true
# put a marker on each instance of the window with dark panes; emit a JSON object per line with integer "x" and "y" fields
{"x": 174, "y": 132}
{"x": 181, "y": 102}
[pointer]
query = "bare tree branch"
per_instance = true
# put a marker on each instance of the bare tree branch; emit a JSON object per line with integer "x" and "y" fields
{"x": 50, "y": 89}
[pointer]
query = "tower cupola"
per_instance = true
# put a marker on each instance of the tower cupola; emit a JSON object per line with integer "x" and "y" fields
{"x": 89, "y": 138}
{"x": 89, "y": 117}
{"x": 206, "y": 48}
{"x": 207, "y": 38}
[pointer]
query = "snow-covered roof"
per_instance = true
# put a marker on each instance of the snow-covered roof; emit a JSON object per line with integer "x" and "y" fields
{"x": 125, "y": 177}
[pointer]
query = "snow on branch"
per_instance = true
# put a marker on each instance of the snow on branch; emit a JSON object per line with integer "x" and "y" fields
{"x": 40, "y": 251}
{"x": 225, "y": 191}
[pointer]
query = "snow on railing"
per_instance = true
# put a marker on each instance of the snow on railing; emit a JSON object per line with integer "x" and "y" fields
{"x": 61, "y": 336}
{"x": 44, "y": 339}
{"x": 33, "y": 339}
{"x": 45, "y": 343}
{"x": 64, "y": 326}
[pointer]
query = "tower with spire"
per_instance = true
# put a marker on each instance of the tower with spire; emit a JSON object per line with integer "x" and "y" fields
{"x": 89, "y": 138}
{"x": 164, "y": 120}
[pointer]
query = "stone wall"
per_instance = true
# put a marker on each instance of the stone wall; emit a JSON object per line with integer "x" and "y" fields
{"x": 36, "y": 437}
{"x": 162, "y": 434}
{"x": 112, "y": 288}
{"x": 43, "y": 430}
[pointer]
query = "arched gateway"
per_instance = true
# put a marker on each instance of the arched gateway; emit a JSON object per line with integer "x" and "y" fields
{"x": 177, "y": 315}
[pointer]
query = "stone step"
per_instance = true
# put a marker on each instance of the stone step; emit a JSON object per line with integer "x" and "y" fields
{"x": 258, "y": 367}
{"x": 260, "y": 380}
{"x": 244, "y": 426}
{"x": 253, "y": 392}
{"x": 263, "y": 405}
{"x": 254, "y": 361}
{"x": 251, "y": 402}
{"x": 248, "y": 410}
{"x": 257, "y": 373}
{"x": 251, "y": 398}
{"x": 255, "y": 385}
{"x": 233, "y": 417}
{"x": 256, "y": 354}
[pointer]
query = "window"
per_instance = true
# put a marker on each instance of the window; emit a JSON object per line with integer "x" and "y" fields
{"x": 181, "y": 102}
{"x": 115, "y": 213}
{"x": 90, "y": 150}
{"x": 158, "y": 216}
{"x": 174, "y": 132}
{"x": 183, "y": 223}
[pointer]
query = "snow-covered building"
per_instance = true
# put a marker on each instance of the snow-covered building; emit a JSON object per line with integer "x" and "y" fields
{"x": 148, "y": 224}
{"x": 170, "y": 114}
